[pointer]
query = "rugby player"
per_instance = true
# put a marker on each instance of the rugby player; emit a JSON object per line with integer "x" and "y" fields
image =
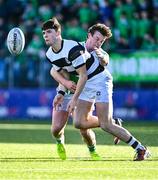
{"x": 64, "y": 53}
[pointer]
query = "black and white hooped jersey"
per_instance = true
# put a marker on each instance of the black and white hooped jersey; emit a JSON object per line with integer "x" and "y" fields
{"x": 72, "y": 56}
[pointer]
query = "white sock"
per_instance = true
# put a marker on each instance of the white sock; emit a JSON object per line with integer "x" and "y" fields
{"x": 132, "y": 141}
{"x": 135, "y": 144}
{"x": 61, "y": 139}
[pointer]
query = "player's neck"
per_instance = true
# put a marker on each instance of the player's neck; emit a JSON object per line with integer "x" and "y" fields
{"x": 88, "y": 46}
{"x": 57, "y": 46}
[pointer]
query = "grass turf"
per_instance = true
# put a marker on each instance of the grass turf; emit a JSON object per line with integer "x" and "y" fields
{"x": 27, "y": 151}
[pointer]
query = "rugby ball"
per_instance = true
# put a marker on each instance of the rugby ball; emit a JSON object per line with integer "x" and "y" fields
{"x": 15, "y": 41}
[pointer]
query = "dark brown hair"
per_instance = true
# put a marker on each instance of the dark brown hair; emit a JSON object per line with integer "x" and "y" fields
{"x": 52, "y": 24}
{"x": 102, "y": 28}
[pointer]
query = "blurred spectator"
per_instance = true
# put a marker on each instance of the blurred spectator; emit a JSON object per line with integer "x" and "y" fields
{"x": 142, "y": 5}
{"x": 155, "y": 4}
{"x": 45, "y": 12}
{"x": 134, "y": 29}
{"x": 33, "y": 63}
{"x": 117, "y": 11}
{"x": 3, "y": 33}
{"x": 105, "y": 10}
{"x": 3, "y": 70}
{"x": 155, "y": 25}
{"x": 74, "y": 31}
{"x": 144, "y": 24}
{"x": 123, "y": 25}
{"x": 129, "y": 8}
{"x": 148, "y": 43}
{"x": 3, "y": 12}
{"x": 88, "y": 14}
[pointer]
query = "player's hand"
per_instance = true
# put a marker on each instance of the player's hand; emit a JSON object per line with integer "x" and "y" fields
{"x": 71, "y": 106}
{"x": 58, "y": 99}
{"x": 103, "y": 57}
{"x": 98, "y": 53}
{"x": 70, "y": 85}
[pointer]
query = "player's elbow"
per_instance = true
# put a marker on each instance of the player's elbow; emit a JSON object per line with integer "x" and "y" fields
{"x": 52, "y": 72}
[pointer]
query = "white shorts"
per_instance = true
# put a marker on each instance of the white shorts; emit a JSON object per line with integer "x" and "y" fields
{"x": 63, "y": 106}
{"x": 98, "y": 89}
{"x": 67, "y": 98}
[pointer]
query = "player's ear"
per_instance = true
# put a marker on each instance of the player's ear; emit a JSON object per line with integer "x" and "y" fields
{"x": 58, "y": 33}
{"x": 89, "y": 35}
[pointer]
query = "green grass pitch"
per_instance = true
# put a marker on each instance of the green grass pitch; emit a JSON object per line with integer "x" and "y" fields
{"x": 27, "y": 151}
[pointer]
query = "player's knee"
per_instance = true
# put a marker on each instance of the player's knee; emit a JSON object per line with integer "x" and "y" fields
{"x": 108, "y": 127}
{"x": 78, "y": 125}
{"x": 78, "y": 122}
{"x": 84, "y": 132}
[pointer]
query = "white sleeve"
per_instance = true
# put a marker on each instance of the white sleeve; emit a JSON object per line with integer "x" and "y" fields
{"x": 78, "y": 56}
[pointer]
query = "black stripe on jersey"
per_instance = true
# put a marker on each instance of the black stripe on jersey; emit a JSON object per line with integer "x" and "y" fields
{"x": 89, "y": 62}
{"x": 75, "y": 52}
{"x": 80, "y": 66}
{"x": 98, "y": 70}
{"x": 61, "y": 62}
{"x": 52, "y": 63}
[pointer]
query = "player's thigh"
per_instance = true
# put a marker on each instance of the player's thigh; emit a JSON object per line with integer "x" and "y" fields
{"x": 104, "y": 112}
{"x": 82, "y": 111}
{"x": 59, "y": 119}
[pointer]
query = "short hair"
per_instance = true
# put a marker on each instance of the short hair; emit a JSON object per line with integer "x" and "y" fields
{"x": 102, "y": 28}
{"x": 52, "y": 23}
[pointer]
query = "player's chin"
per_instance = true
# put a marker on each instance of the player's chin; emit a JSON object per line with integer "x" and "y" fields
{"x": 48, "y": 43}
{"x": 97, "y": 47}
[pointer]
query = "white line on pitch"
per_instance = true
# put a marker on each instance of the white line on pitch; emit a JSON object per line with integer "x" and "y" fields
{"x": 78, "y": 169}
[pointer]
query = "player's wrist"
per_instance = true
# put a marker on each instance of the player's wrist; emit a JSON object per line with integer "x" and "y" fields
{"x": 61, "y": 92}
{"x": 65, "y": 82}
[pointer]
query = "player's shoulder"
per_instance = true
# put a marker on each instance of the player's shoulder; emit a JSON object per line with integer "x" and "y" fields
{"x": 74, "y": 49}
{"x": 70, "y": 43}
{"x": 73, "y": 46}
{"x": 82, "y": 43}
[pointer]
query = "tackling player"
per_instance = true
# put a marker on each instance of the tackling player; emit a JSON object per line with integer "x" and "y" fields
{"x": 99, "y": 89}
